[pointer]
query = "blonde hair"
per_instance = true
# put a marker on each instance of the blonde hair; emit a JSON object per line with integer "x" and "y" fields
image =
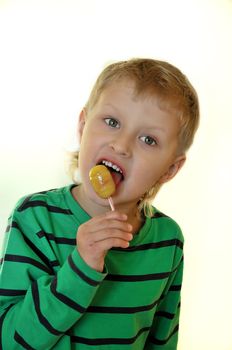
{"x": 152, "y": 78}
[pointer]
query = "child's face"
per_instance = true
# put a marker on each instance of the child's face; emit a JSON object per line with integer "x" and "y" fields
{"x": 134, "y": 134}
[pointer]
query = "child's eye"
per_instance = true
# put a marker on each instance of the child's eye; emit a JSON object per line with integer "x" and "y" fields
{"x": 113, "y": 123}
{"x": 150, "y": 141}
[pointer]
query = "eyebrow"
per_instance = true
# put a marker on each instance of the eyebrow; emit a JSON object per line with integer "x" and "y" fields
{"x": 110, "y": 105}
{"x": 157, "y": 128}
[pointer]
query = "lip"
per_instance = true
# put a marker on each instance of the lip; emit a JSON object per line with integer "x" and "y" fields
{"x": 114, "y": 162}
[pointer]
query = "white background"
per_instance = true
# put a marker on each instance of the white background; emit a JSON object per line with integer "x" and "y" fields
{"x": 50, "y": 54}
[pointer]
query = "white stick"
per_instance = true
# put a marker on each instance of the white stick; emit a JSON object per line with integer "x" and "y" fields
{"x": 111, "y": 203}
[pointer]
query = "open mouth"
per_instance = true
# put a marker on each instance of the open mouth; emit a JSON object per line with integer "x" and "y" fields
{"x": 115, "y": 170}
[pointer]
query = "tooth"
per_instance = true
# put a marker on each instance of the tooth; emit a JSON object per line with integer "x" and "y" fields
{"x": 110, "y": 164}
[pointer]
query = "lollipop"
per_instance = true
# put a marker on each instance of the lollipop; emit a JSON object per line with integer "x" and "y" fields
{"x": 102, "y": 182}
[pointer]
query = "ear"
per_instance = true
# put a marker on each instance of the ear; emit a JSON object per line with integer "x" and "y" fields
{"x": 81, "y": 122}
{"x": 173, "y": 169}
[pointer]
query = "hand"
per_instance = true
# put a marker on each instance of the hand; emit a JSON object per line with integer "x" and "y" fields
{"x": 101, "y": 233}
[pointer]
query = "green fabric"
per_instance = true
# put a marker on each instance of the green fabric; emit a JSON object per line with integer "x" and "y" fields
{"x": 51, "y": 299}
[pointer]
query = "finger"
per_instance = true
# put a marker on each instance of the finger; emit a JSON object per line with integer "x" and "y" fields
{"x": 105, "y": 223}
{"x": 112, "y": 215}
{"x": 107, "y": 244}
{"x": 112, "y": 224}
{"x": 109, "y": 235}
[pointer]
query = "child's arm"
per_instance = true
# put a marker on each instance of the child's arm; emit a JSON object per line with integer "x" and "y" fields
{"x": 41, "y": 301}
{"x": 164, "y": 333}
{"x": 39, "y": 306}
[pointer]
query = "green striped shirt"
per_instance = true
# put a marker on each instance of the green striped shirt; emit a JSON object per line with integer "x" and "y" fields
{"x": 51, "y": 299}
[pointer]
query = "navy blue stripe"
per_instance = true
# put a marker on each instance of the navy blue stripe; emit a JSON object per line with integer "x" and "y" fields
{"x": 42, "y": 256}
{"x": 87, "y": 279}
{"x": 165, "y": 341}
{"x": 41, "y": 317}
{"x": 176, "y": 288}
{"x": 13, "y": 224}
{"x": 58, "y": 240}
{"x": 1, "y": 323}
{"x": 12, "y": 292}
{"x": 27, "y": 260}
{"x": 64, "y": 299}
{"x": 27, "y": 199}
{"x": 121, "y": 309}
{"x": 109, "y": 341}
{"x": 165, "y": 314}
{"x": 145, "y": 277}
{"x": 137, "y": 278}
{"x": 39, "y": 203}
{"x": 156, "y": 245}
{"x": 158, "y": 215}
{"x": 22, "y": 342}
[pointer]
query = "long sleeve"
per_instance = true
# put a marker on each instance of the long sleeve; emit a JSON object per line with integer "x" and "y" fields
{"x": 51, "y": 299}
{"x": 40, "y": 301}
{"x": 164, "y": 332}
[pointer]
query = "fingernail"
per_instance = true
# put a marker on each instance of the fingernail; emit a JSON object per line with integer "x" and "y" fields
{"x": 130, "y": 237}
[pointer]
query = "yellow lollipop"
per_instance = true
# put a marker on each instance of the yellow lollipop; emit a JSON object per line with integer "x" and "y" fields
{"x": 102, "y": 182}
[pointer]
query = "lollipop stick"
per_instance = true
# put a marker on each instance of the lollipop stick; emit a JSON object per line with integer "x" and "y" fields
{"x": 111, "y": 203}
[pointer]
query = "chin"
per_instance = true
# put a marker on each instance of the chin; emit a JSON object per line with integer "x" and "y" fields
{"x": 99, "y": 201}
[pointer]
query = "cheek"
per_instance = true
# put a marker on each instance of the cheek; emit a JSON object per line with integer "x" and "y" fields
{"x": 142, "y": 181}
{"x": 87, "y": 154}
{"x": 149, "y": 175}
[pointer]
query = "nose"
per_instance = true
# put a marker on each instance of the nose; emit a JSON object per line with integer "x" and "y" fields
{"x": 121, "y": 145}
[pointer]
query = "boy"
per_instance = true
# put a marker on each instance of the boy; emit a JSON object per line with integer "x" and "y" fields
{"x": 76, "y": 275}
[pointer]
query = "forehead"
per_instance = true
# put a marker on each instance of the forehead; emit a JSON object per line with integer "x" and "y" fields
{"x": 124, "y": 88}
